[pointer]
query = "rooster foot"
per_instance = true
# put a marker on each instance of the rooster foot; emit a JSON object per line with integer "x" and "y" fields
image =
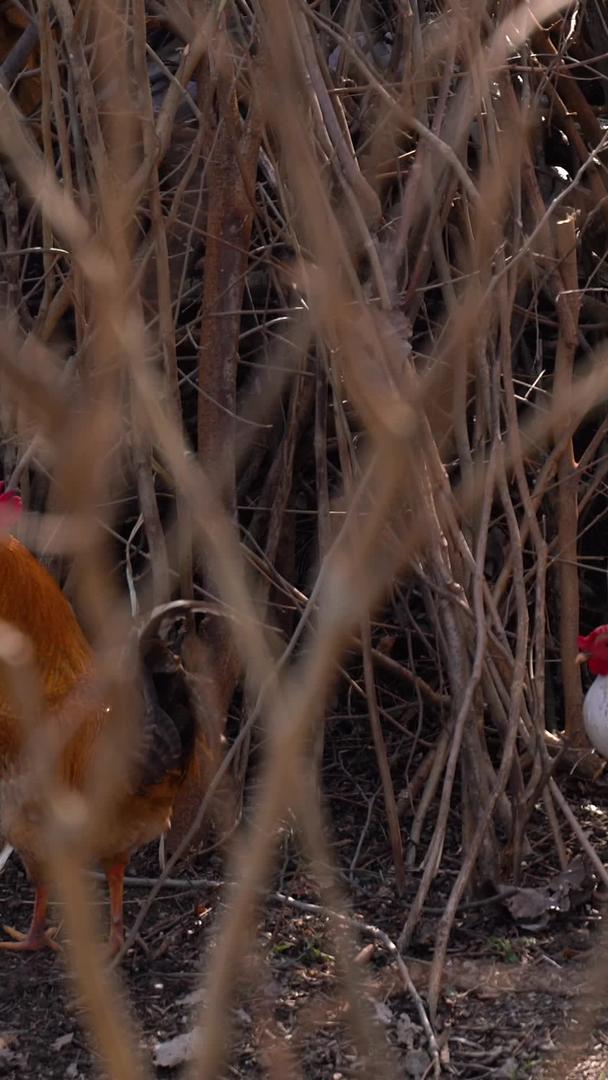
{"x": 30, "y": 942}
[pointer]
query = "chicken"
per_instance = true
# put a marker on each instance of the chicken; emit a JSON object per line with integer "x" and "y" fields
{"x": 594, "y": 651}
{"x": 76, "y": 714}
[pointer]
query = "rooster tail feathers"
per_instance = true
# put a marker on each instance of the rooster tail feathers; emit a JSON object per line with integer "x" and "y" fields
{"x": 169, "y": 719}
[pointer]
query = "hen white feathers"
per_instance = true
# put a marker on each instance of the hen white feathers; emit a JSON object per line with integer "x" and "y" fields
{"x": 594, "y": 652}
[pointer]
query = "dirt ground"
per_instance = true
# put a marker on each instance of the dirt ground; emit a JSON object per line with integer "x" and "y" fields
{"x": 517, "y": 1003}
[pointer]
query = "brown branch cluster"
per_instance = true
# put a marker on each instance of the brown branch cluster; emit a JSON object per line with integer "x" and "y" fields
{"x": 303, "y": 313}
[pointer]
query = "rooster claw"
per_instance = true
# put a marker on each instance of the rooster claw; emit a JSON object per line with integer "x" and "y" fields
{"x": 30, "y": 942}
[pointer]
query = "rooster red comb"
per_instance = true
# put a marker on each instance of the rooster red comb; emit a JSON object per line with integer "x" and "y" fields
{"x": 10, "y": 505}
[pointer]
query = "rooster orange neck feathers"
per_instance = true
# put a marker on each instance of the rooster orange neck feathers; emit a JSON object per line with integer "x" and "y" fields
{"x": 33, "y": 602}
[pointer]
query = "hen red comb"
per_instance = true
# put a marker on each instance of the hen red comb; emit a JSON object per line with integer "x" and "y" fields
{"x": 585, "y": 643}
{"x": 10, "y": 504}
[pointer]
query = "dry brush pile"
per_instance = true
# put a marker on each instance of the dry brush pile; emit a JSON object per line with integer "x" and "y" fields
{"x": 303, "y": 312}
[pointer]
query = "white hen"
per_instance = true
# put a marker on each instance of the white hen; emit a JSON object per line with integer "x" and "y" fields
{"x": 594, "y": 651}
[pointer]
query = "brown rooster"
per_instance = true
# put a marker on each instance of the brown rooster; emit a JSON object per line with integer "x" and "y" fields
{"x": 75, "y": 713}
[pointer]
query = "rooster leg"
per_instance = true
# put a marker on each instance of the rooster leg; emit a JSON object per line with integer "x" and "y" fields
{"x": 115, "y": 874}
{"x": 37, "y": 937}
